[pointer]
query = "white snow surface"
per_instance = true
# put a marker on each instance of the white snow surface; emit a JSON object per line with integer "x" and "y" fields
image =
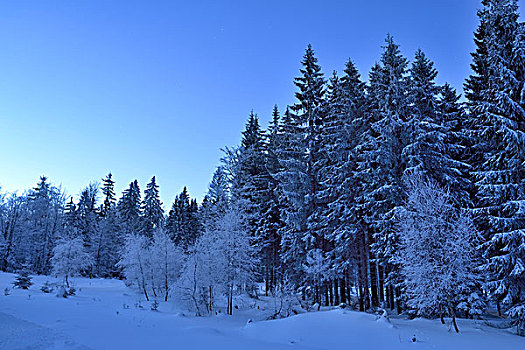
{"x": 105, "y": 315}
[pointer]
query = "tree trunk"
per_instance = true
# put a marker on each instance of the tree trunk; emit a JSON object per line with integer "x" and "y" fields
{"x": 145, "y": 292}
{"x": 360, "y": 277}
{"x": 210, "y": 301}
{"x": 454, "y": 322}
{"x": 365, "y": 246}
{"x": 336, "y": 292}
{"x": 391, "y": 296}
{"x": 398, "y": 300}
{"x": 381, "y": 286}
{"x": 387, "y": 297}
{"x": 348, "y": 289}
{"x": 452, "y": 311}
{"x": 343, "y": 290}
{"x": 328, "y": 298}
{"x": 373, "y": 282}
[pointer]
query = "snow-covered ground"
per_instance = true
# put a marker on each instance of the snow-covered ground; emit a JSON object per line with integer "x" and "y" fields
{"x": 105, "y": 314}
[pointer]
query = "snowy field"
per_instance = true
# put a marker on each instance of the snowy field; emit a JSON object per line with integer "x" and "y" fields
{"x": 105, "y": 314}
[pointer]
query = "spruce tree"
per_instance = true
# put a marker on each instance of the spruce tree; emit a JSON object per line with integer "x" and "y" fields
{"x": 109, "y": 239}
{"x": 183, "y": 223}
{"x": 380, "y": 163}
{"x": 432, "y": 149}
{"x": 152, "y": 212}
{"x": 455, "y": 145}
{"x": 497, "y": 117}
{"x": 42, "y": 225}
{"x": 269, "y": 239}
{"x": 299, "y": 177}
{"x": 293, "y": 189}
{"x": 108, "y": 191}
{"x": 217, "y": 200}
{"x": 23, "y": 280}
{"x": 346, "y": 101}
{"x": 89, "y": 229}
{"x": 129, "y": 209}
{"x": 250, "y": 177}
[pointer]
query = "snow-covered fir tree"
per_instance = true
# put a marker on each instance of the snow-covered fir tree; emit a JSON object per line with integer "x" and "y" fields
{"x": 252, "y": 191}
{"x": 346, "y": 105}
{"x": 268, "y": 233}
{"x": 217, "y": 200}
{"x": 108, "y": 191}
{"x": 299, "y": 176}
{"x": 109, "y": 240}
{"x": 129, "y": 209}
{"x": 42, "y": 222}
{"x": 152, "y": 212}
{"x": 381, "y": 168}
{"x": 455, "y": 145}
{"x": 497, "y": 115}
{"x": 23, "y": 280}
{"x": 183, "y": 222}
{"x": 89, "y": 223}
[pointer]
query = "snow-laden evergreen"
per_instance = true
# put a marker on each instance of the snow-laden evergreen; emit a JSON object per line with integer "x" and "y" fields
{"x": 381, "y": 160}
{"x": 152, "y": 211}
{"x": 129, "y": 209}
{"x": 497, "y": 116}
{"x": 183, "y": 223}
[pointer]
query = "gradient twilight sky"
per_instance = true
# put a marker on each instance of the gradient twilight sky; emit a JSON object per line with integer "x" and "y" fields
{"x": 143, "y": 88}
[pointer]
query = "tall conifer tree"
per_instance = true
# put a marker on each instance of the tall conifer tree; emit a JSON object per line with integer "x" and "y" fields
{"x": 152, "y": 212}
{"x": 497, "y": 116}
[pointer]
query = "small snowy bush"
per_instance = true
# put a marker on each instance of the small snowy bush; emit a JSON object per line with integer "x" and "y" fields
{"x": 46, "y": 287}
{"x": 23, "y": 280}
{"x": 285, "y": 302}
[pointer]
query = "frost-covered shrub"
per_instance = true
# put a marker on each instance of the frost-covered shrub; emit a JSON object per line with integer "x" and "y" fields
{"x": 152, "y": 266}
{"x": 62, "y": 292}
{"x": 518, "y": 313}
{"x": 166, "y": 261}
{"x": 70, "y": 258}
{"x": 134, "y": 261}
{"x": 437, "y": 254}
{"x": 220, "y": 263}
{"x": 285, "y": 301}
{"x": 47, "y": 287}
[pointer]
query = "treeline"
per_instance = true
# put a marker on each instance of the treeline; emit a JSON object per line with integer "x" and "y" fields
{"x": 32, "y": 224}
{"x": 391, "y": 193}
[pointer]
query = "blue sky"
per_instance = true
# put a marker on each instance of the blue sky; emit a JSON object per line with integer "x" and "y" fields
{"x": 143, "y": 88}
